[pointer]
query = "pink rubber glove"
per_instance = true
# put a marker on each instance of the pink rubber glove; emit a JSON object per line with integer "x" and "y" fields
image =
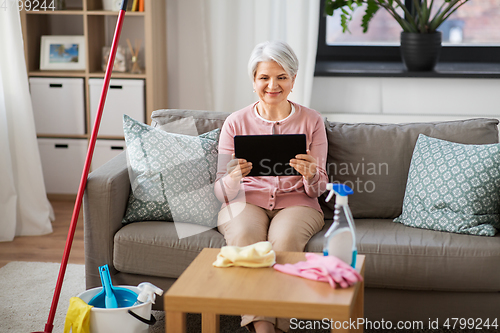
{"x": 339, "y": 270}
{"x": 320, "y": 268}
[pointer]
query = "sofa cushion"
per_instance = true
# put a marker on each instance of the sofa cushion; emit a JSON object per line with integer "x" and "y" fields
{"x": 204, "y": 121}
{"x": 171, "y": 175}
{"x": 401, "y": 257}
{"x": 397, "y": 256}
{"x": 453, "y": 187}
{"x": 374, "y": 159}
{"x": 153, "y": 248}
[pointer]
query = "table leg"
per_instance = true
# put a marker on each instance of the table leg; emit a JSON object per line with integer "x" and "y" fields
{"x": 357, "y": 310}
{"x": 359, "y": 306}
{"x": 175, "y": 322}
{"x": 210, "y": 323}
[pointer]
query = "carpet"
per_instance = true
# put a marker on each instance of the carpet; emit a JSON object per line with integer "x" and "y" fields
{"x": 26, "y": 290}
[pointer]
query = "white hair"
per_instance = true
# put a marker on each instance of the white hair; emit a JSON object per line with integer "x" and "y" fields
{"x": 277, "y": 51}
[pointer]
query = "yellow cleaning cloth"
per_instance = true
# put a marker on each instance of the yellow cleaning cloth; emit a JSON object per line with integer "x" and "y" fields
{"x": 260, "y": 254}
{"x": 78, "y": 316}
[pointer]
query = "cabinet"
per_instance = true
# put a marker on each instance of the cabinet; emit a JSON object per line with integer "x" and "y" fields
{"x": 88, "y": 18}
{"x": 58, "y": 105}
{"x": 62, "y": 163}
{"x": 124, "y": 97}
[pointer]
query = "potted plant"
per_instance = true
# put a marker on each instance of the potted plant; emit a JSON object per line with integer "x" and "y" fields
{"x": 420, "y": 40}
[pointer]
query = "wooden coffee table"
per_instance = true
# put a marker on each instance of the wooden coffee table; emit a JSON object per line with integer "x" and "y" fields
{"x": 212, "y": 291}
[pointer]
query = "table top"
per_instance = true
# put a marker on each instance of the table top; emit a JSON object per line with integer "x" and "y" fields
{"x": 260, "y": 291}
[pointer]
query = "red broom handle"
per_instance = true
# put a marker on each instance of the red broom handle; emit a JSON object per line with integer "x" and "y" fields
{"x": 83, "y": 182}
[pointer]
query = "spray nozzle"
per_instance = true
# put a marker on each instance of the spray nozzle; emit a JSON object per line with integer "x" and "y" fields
{"x": 148, "y": 290}
{"x": 341, "y": 191}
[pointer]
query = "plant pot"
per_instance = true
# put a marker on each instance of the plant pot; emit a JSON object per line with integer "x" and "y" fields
{"x": 420, "y": 51}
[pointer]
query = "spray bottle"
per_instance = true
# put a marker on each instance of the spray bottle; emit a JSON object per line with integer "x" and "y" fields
{"x": 148, "y": 291}
{"x": 340, "y": 240}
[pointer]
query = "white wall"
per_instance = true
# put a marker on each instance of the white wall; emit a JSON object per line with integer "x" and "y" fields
{"x": 353, "y": 99}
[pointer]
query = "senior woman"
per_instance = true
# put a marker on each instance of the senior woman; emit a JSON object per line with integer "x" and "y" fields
{"x": 283, "y": 210}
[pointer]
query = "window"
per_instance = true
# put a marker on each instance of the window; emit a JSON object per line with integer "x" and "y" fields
{"x": 470, "y": 35}
{"x": 383, "y": 30}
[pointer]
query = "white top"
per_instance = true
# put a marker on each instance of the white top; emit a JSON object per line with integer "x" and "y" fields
{"x": 273, "y": 121}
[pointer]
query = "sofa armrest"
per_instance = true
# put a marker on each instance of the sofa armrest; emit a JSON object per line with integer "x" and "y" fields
{"x": 104, "y": 203}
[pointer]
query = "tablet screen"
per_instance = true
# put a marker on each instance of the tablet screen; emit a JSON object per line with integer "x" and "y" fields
{"x": 270, "y": 154}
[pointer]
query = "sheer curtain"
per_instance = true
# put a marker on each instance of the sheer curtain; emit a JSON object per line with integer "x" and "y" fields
{"x": 210, "y": 42}
{"x": 235, "y": 27}
{"x": 24, "y": 208}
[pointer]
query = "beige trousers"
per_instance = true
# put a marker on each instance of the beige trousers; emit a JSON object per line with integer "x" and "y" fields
{"x": 288, "y": 229}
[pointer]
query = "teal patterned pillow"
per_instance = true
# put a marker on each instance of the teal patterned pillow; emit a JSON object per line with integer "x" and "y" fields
{"x": 453, "y": 187}
{"x": 171, "y": 175}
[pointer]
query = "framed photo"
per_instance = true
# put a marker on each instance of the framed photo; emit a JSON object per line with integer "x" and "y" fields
{"x": 62, "y": 53}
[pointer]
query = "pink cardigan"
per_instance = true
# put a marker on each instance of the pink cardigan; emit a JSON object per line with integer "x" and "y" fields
{"x": 273, "y": 192}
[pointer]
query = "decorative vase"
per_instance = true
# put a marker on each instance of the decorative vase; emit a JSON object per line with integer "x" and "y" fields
{"x": 420, "y": 51}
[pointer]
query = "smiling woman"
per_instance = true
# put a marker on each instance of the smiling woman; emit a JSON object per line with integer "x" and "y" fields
{"x": 282, "y": 209}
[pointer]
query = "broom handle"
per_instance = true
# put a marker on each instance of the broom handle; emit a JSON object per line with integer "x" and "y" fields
{"x": 83, "y": 182}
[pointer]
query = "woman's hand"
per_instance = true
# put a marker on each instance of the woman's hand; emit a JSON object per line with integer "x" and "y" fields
{"x": 238, "y": 168}
{"x": 305, "y": 164}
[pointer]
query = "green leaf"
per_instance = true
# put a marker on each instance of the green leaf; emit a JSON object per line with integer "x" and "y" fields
{"x": 349, "y": 4}
{"x": 371, "y": 8}
{"x": 419, "y": 18}
{"x": 333, "y": 5}
{"x": 344, "y": 22}
{"x": 329, "y": 7}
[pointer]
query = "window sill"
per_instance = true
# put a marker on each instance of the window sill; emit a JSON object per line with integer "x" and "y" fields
{"x": 397, "y": 69}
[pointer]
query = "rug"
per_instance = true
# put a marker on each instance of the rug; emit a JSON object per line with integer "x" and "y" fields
{"x": 26, "y": 291}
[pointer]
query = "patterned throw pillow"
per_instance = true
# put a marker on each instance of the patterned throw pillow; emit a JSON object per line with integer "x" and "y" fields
{"x": 453, "y": 187}
{"x": 171, "y": 175}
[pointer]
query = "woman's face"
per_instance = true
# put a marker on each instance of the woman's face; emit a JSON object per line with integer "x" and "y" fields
{"x": 272, "y": 83}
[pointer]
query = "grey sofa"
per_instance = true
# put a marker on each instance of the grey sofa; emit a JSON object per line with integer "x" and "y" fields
{"x": 411, "y": 274}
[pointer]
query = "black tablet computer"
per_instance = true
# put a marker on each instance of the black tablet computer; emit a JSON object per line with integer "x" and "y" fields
{"x": 270, "y": 154}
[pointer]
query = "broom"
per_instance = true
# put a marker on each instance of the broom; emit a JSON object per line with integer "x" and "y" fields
{"x": 83, "y": 182}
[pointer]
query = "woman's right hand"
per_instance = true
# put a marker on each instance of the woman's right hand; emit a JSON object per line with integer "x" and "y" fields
{"x": 238, "y": 168}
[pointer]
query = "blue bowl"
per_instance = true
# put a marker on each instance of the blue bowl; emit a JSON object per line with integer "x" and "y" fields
{"x": 124, "y": 298}
{"x": 118, "y": 297}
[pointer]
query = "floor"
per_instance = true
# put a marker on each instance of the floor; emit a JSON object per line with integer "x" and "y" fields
{"x": 48, "y": 248}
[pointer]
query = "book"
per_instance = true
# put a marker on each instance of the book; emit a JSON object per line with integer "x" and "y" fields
{"x": 135, "y": 5}
{"x": 141, "y": 5}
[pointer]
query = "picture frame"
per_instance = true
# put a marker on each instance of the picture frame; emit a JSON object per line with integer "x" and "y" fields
{"x": 62, "y": 53}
